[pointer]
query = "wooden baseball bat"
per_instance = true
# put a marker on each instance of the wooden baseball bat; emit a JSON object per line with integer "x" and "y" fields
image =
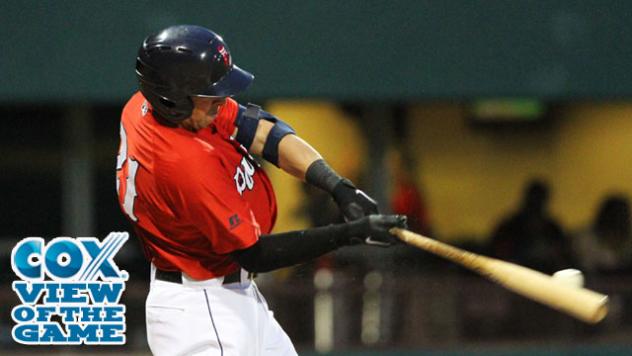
{"x": 581, "y": 303}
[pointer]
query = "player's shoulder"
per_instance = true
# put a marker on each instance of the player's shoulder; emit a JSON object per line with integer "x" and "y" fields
{"x": 135, "y": 101}
{"x": 136, "y": 106}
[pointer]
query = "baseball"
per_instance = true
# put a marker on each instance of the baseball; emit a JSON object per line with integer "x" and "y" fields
{"x": 571, "y": 277}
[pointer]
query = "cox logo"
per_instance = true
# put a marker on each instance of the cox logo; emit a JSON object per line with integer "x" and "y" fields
{"x": 63, "y": 258}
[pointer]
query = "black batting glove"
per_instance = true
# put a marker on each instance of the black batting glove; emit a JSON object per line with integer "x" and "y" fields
{"x": 353, "y": 202}
{"x": 374, "y": 229}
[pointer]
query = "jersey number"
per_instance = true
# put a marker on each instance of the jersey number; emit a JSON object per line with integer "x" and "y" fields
{"x": 130, "y": 181}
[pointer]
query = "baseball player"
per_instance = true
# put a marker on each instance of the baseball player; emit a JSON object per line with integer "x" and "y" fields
{"x": 203, "y": 208}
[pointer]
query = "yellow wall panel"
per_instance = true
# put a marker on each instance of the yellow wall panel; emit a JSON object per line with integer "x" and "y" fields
{"x": 596, "y": 152}
{"x": 473, "y": 177}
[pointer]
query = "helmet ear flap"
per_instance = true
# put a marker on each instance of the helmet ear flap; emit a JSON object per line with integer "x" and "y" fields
{"x": 176, "y": 109}
{"x": 169, "y": 106}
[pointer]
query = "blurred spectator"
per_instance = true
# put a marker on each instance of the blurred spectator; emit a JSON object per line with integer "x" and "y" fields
{"x": 530, "y": 236}
{"x": 606, "y": 246}
{"x": 407, "y": 198}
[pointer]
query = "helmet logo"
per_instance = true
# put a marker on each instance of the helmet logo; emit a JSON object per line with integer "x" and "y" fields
{"x": 224, "y": 53}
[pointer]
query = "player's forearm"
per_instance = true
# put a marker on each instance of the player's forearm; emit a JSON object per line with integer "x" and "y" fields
{"x": 296, "y": 155}
{"x": 290, "y": 248}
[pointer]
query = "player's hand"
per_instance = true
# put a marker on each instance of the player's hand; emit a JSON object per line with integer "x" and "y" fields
{"x": 353, "y": 202}
{"x": 374, "y": 229}
{"x": 224, "y": 121}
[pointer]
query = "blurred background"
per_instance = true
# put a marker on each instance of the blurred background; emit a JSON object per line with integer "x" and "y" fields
{"x": 502, "y": 127}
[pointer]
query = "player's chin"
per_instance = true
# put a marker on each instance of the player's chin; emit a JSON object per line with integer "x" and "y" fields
{"x": 187, "y": 126}
{"x": 208, "y": 120}
{"x": 190, "y": 126}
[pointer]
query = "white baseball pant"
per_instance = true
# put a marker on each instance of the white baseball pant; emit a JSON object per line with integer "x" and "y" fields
{"x": 211, "y": 318}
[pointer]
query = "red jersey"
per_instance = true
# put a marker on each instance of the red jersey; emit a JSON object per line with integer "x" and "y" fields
{"x": 193, "y": 198}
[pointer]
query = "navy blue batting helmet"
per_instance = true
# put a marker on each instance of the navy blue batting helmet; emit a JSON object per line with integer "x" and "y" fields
{"x": 184, "y": 61}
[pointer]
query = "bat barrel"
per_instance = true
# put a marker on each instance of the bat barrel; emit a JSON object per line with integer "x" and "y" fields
{"x": 581, "y": 303}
